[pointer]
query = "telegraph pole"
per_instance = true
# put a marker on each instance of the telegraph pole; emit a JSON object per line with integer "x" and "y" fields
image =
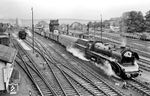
{"x": 32, "y": 30}
{"x": 101, "y": 27}
{"x": 67, "y": 29}
{"x": 94, "y": 33}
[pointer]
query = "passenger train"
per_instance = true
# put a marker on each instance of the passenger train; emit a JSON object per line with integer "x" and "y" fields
{"x": 122, "y": 60}
{"x": 140, "y": 36}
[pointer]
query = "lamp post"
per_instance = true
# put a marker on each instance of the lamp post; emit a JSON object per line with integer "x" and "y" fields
{"x": 32, "y": 30}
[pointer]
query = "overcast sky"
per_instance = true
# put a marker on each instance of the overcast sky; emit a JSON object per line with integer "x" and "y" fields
{"x": 77, "y": 9}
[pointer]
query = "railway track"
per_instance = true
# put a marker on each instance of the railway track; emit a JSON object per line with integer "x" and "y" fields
{"x": 68, "y": 86}
{"x": 34, "y": 74}
{"x": 53, "y": 82}
{"x": 65, "y": 84}
{"x": 136, "y": 84}
{"x": 142, "y": 87}
{"x": 145, "y": 61}
{"x": 139, "y": 87}
{"x": 93, "y": 79}
{"x": 94, "y": 90}
{"x": 81, "y": 90}
{"x": 144, "y": 66}
{"x": 84, "y": 82}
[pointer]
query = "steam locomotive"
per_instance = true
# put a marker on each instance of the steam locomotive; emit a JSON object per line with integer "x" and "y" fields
{"x": 122, "y": 60}
{"x": 22, "y": 34}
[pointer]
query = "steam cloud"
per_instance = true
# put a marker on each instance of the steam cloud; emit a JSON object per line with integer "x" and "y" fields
{"x": 106, "y": 67}
{"x": 76, "y": 52}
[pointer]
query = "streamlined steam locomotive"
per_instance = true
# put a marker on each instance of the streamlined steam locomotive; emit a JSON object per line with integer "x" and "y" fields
{"x": 122, "y": 60}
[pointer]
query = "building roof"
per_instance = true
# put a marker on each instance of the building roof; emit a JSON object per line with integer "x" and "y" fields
{"x": 7, "y": 54}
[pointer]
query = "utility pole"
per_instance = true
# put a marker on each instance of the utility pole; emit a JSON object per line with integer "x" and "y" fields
{"x": 32, "y": 30}
{"x": 67, "y": 29}
{"x": 94, "y": 33}
{"x": 101, "y": 27}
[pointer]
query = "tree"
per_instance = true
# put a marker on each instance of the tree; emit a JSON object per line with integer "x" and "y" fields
{"x": 147, "y": 21}
{"x": 89, "y": 24}
{"x": 133, "y": 21}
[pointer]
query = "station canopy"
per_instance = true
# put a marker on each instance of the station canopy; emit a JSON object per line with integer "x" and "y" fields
{"x": 7, "y": 54}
